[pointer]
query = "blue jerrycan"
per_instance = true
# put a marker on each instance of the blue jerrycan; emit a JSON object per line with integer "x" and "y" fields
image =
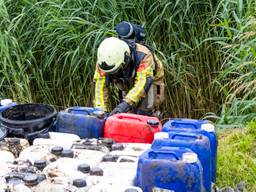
{"x": 169, "y": 169}
{"x": 198, "y": 143}
{"x": 86, "y": 122}
{"x": 204, "y": 127}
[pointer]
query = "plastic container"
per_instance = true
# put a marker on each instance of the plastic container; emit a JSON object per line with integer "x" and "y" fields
{"x": 131, "y": 128}
{"x": 199, "y": 144}
{"x": 53, "y": 185}
{"x": 102, "y": 144}
{"x": 129, "y": 149}
{"x": 6, "y": 156}
{"x": 169, "y": 169}
{"x": 6, "y": 103}
{"x": 28, "y": 120}
{"x": 37, "y": 152}
{"x": 3, "y": 185}
{"x": 56, "y": 139}
{"x": 20, "y": 188}
{"x": 16, "y": 169}
{"x": 23, "y": 181}
{"x": 13, "y": 145}
{"x": 90, "y": 157}
{"x": 122, "y": 171}
{"x": 203, "y": 127}
{"x": 58, "y": 185}
{"x": 4, "y": 169}
{"x": 83, "y": 121}
{"x": 67, "y": 168}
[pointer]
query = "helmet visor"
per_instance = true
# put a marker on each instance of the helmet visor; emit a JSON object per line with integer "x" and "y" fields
{"x": 109, "y": 69}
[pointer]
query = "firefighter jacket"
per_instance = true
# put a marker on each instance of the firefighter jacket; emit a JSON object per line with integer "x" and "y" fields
{"x": 136, "y": 91}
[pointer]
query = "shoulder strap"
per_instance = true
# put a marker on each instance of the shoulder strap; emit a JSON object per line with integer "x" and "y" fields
{"x": 136, "y": 56}
{"x": 132, "y": 45}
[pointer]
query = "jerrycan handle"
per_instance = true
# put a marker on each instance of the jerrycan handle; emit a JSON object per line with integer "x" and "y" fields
{"x": 155, "y": 154}
{"x": 83, "y": 109}
{"x": 181, "y": 123}
{"x": 121, "y": 116}
{"x": 125, "y": 157}
{"x": 192, "y": 136}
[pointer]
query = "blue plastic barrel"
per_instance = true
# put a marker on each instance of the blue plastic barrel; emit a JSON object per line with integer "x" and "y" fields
{"x": 10, "y": 104}
{"x": 198, "y": 143}
{"x": 203, "y": 127}
{"x": 169, "y": 169}
{"x": 86, "y": 122}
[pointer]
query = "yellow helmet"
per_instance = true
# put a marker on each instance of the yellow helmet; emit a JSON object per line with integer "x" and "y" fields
{"x": 112, "y": 54}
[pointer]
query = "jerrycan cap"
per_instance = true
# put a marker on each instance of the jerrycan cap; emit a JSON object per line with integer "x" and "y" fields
{"x": 84, "y": 168}
{"x": 40, "y": 164}
{"x": 57, "y": 150}
{"x": 30, "y": 180}
{"x": 117, "y": 147}
{"x": 109, "y": 158}
{"x": 41, "y": 177}
{"x": 5, "y": 102}
{"x": 208, "y": 127}
{"x": 152, "y": 122}
{"x": 87, "y": 142}
{"x": 79, "y": 183}
{"x": 161, "y": 135}
{"x": 189, "y": 157}
{"x": 67, "y": 153}
{"x": 96, "y": 171}
{"x": 107, "y": 141}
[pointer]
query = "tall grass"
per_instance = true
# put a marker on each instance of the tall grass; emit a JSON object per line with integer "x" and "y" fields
{"x": 48, "y": 49}
{"x": 237, "y": 27}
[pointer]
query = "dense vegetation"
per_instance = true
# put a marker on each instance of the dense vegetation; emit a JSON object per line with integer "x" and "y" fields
{"x": 48, "y": 51}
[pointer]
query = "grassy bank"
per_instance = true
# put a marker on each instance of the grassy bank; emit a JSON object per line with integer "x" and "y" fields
{"x": 237, "y": 157}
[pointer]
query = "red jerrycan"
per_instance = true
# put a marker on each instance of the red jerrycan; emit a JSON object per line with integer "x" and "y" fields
{"x": 131, "y": 128}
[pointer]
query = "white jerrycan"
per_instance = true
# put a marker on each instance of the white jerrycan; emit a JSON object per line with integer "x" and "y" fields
{"x": 129, "y": 149}
{"x": 36, "y": 152}
{"x": 64, "y": 140}
{"x": 121, "y": 172}
{"x": 68, "y": 168}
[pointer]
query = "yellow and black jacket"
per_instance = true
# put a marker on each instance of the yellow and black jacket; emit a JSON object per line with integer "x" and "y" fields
{"x": 134, "y": 91}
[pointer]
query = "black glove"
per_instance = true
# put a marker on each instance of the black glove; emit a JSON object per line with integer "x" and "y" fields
{"x": 121, "y": 108}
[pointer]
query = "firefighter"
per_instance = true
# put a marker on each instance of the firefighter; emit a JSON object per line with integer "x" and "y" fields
{"x": 135, "y": 70}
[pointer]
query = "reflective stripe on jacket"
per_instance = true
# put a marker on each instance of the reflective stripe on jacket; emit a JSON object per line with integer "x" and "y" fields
{"x": 101, "y": 91}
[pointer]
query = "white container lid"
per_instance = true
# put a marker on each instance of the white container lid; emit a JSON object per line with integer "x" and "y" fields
{"x": 5, "y": 102}
{"x": 189, "y": 157}
{"x": 161, "y": 135}
{"x": 208, "y": 127}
